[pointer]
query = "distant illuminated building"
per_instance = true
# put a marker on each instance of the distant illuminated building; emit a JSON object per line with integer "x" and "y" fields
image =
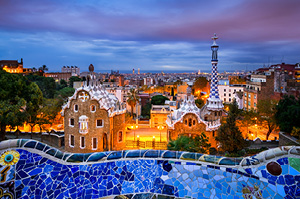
{"x": 138, "y": 71}
{"x": 132, "y": 71}
{"x": 13, "y": 66}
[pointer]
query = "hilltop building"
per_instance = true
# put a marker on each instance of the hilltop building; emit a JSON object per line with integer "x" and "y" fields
{"x": 13, "y": 66}
{"x": 94, "y": 120}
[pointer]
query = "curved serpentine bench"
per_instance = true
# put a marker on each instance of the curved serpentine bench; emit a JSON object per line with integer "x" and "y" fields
{"x": 31, "y": 169}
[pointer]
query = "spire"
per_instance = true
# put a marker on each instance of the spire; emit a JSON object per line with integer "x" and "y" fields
{"x": 214, "y": 103}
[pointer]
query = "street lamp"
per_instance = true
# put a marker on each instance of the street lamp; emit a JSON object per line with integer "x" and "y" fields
{"x": 134, "y": 126}
{"x": 160, "y": 127}
{"x": 153, "y": 142}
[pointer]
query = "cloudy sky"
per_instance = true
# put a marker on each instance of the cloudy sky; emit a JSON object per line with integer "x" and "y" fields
{"x": 150, "y": 34}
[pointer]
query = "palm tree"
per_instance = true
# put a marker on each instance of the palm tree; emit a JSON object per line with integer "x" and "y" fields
{"x": 132, "y": 99}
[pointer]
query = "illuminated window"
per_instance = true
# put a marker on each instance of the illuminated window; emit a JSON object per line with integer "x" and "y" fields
{"x": 72, "y": 141}
{"x": 94, "y": 143}
{"x": 93, "y": 108}
{"x": 83, "y": 124}
{"x": 71, "y": 122}
{"x": 254, "y": 96}
{"x": 249, "y": 96}
{"x": 99, "y": 123}
{"x": 82, "y": 142}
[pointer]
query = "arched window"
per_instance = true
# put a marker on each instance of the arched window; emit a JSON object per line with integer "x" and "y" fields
{"x": 83, "y": 124}
{"x": 194, "y": 122}
{"x": 76, "y": 107}
{"x": 93, "y": 108}
{"x": 190, "y": 122}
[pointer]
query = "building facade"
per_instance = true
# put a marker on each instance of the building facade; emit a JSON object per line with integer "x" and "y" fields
{"x": 94, "y": 120}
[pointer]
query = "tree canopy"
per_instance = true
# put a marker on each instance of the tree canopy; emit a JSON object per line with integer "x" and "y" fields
{"x": 229, "y": 135}
{"x": 266, "y": 114}
{"x": 287, "y": 113}
{"x": 197, "y": 144}
{"x": 158, "y": 100}
{"x": 17, "y": 96}
{"x": 132, "y": 98}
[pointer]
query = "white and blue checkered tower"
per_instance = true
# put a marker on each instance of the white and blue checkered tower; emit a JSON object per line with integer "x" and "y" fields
{"x": 214, "y": 103}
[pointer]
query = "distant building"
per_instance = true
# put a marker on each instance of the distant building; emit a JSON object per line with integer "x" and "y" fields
{"x": 227, "y": 92}
{"x": 159, "y": 115}
{"x": 74, "y": 70}
{"x": 13, "y": 66}
{"x": 57, "y": 76}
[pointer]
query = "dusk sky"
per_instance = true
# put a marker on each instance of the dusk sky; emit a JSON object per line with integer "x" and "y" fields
{"x": 150, "y": 34}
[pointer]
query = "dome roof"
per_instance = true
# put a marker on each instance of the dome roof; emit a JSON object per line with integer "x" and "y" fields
{"x": 91, "y": 68}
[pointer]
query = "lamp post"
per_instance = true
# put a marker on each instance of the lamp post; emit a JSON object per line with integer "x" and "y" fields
{"x": 160, "y": 127}
{"x": 138, "y": 141}
{"x": 153, "y": 142}
{"x": 134, "y": 126}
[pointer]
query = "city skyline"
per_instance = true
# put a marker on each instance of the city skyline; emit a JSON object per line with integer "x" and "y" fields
{"x": 150, "y": 35}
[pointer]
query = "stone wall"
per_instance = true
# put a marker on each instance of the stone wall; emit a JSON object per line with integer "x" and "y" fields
{"x": 285, "y": 139}
{"x": 30, "y": 169}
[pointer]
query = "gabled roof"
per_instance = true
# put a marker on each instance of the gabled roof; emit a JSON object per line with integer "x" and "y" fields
{"x": 105, "y": 99}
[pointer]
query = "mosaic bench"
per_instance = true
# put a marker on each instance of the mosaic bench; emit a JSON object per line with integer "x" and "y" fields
{"x": 31, "y": 169}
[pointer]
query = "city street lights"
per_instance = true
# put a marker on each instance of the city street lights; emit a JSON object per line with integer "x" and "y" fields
{"x": 134, "y": 126}
{"x": 160, "y": 127}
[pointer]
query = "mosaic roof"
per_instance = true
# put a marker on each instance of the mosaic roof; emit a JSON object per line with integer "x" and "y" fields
{"x": 96, "y": 92}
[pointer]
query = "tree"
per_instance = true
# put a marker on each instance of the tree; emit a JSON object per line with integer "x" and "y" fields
{"x": 266, "y": 111}
{"x": 46, "y": 84}
{"x": 42, "y": 70}
{"x": 248, "y": 118}
{"x": 229, "y": 135}
{"x": 287, "y": 113}
{"x": 197, "y": 144}
{"x": 73, "y": 79}
{"x": 33, "y": 106}
{"x": 200, "y": 85}
{"x": 132, "y": 99}
{"x": 16, "y": 93}
{"x": 158, "y": 100}
{"x": 199, "y": 103}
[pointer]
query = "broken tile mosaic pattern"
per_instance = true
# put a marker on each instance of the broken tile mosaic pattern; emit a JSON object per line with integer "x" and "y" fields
{"x": 30, "y": 169}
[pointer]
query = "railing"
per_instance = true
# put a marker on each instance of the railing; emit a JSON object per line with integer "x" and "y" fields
{"x": 147, "y": 144}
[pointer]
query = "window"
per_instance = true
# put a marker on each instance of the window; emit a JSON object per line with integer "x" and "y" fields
{"x": 94, "y": 143}
{"x": 82, "y": 142}
{"x": 249, "y": 96}
{"x": 194, "y": 122}
{"x": 83, "y": 124}
{"x": 99, "y": 123}
{"x": 245, "y": 94}
{"x": 230, "y": 99}
{"x": 71, "y": 141}
{"x": 224, "y": 100}
{"x": 249, "y": 103}
{"x": 254, "y": 96}
{"x": 224, "y": 90}
{"x": 254, "y": 104}
{"x": 229, "y": 90}
{"x": 245, "y": 102}
{"x": 190, "y": 122}
{"x": 71, "y": 122}
{"x": 76, "y": 108}
{"x": 234, "y": 90}
{"x": 93, "y": 108}
{"x": 213, "y": 133}
{"x": 229, "y": 94}
{"x": 185, "y": 122}
{"x": 120, "y": 136}
{"x": 224, "y": 94}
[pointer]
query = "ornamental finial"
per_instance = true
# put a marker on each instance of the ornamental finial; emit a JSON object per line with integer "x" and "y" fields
{"x": 215, "y": 37}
